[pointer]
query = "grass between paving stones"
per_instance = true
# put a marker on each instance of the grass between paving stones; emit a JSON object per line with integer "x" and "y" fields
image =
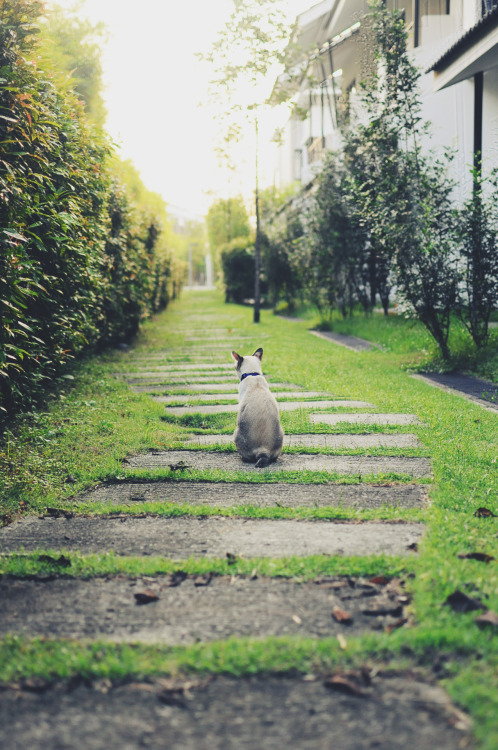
{"x": 91, "y": 424}
{"x": 45, "y": 564}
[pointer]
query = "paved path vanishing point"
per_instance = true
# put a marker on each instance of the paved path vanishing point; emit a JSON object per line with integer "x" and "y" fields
{"x": 352, "y": 711}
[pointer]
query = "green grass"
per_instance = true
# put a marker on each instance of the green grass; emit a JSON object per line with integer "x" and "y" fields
{"x": 90, "y": 424}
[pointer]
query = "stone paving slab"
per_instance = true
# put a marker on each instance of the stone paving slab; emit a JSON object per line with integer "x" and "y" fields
{"x": 353, "y": 343}
{"x": 197, "y": 608}
{"x": 205, "y": 388}
{"x": 164, "y": 378}
{"x": 393, "y": 419}
{"x": 187, "y": 366}
{"x": 324, "y": 440}
{"x": 199, "y": 397}
{"x": 181, "y": 538}
{"x": 231, "y": 494}
{"x": 400, "y": 710}
{"x": 203, "y": 459}
{"x": 180, "y": 411}
{"x": 474, "y": 389}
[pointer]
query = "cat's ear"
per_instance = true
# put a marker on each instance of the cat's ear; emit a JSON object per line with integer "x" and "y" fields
{"x": 258, "y": 353}
{"x": 237, "y": 358}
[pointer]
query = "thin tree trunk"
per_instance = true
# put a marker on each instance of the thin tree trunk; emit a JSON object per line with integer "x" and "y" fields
{"x": 257, "y": 242}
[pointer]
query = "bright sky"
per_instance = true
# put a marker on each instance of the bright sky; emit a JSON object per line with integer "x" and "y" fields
{"x": 154, "y": 88}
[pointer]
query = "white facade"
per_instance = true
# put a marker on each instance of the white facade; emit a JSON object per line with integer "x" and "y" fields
{"x": 333, "y": 32}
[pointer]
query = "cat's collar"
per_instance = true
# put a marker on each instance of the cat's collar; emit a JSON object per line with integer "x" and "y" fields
{"x": 246, "y": 375}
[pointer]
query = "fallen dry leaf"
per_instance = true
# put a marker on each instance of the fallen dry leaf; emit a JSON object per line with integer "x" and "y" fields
{"x": 484, "y": 513}
{"x": 340, "y": 615}
{"x": 395, "y": 625}
{"x": 179, "y": 466}
{"x": 342, "y": 641}
{"x": 203, "y": 580}
{"x": 487, "y": 620}
{"x": 175, "y": 579}
{"x": 379, "y": 580}
{"x": 460, "y": 602}
{"x": 146, "y": 597}
{"x": 480, "y": 556}
{"x": 297, "y": 619}
{"x": 395, "y": 610}
{"x": 349, "y": 684}
{"x": 63, "y": 561}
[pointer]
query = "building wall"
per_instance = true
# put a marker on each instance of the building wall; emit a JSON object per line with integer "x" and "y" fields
{"x": 450, "y": 111}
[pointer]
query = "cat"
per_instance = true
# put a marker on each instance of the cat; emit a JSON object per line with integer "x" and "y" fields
{"x": 258, "y": 436}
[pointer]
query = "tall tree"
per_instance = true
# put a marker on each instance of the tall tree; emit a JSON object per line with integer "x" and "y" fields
{"x": 244, "y": 56}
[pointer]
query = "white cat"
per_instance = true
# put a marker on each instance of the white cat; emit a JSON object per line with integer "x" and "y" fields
{"x": 259, "y": 435}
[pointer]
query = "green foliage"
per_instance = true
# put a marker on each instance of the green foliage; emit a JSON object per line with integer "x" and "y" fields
{"x": 226, "y": 220}
{"x": 478, "y": 244}
{"x": 70, "y": 48}
{"x": 237, "y": 262}
{"x": 77, "y": 265}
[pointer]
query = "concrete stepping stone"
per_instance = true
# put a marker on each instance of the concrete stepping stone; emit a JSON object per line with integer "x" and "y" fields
{"x": 201, "y": 388}
{"x": 180, "y": 369}
{"x": 229, "y": 495}
{"x": 199, "y": 397}
{"x": 181, "y": 538}
{"x": 180, "y": 411}
{"x": 205, "y": 460}
{"x": 353, "y": 343}
{"x": 195, "y": 608}
{"x": 165, "y": 378}
{"x": 392, "y": 419}
{"x": 398, "y": 711}
{"x": 471, "y": 388}
{"x": 324, "y": 440}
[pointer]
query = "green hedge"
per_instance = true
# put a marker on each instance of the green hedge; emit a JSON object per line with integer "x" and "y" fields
{"x": 80, "y": 266}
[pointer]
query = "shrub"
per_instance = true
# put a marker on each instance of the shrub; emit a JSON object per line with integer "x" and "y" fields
{"x": 237, "y": 261}
{"x": 77, "y": 264}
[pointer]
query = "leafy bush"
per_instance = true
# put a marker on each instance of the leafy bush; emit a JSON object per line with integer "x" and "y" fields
{"x": 77, "y": 266}
{"x": 237, "y": 261}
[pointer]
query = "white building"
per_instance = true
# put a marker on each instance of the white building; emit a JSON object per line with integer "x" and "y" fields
{"x": 453, "y": 42}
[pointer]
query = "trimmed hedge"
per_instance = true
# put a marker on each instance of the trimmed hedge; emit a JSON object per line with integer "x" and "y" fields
{"x": 80, "y": 266}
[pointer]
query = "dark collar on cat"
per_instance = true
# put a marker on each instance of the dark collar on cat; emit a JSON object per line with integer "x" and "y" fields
{"x": 246, "y": 375}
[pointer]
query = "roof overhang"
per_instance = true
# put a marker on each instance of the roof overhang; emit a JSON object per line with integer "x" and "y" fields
{"x": 473, "y": 53}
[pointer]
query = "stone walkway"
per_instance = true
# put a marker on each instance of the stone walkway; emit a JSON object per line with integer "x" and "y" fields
{"x": 356, "y": 710}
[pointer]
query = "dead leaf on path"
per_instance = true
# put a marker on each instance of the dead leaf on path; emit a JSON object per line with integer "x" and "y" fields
{"x": 175, "y": 697}
{"x": 351, "y": 684}
{"x": 460, "y": 602}
{"x": 395, "y": 610}
{"x": 379, "y": 580}
{"x": 203, "y": 580}
{"x": 297, "y": 619}
{"x": 341, "y": 616}
{"x": 484, "y": 513}
{"x": 395, "y": 625}
{"x": 179, "y": 466}
{"x": 176, "y": 578}
{"x": 62, "y": 560}
{"x": 343, "y": 644}
{"x": 58, "y": 513}
{"x": 146, "y": 597}
{"x": 480, "y": 556}
{"x": 487, "y": 620}
{"x": 35, "y": 684}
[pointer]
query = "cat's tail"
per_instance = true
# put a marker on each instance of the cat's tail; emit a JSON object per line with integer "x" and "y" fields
{"x": 262, "y": 460}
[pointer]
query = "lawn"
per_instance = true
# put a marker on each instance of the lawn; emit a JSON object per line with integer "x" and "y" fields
{"x": 80, "y": 436}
